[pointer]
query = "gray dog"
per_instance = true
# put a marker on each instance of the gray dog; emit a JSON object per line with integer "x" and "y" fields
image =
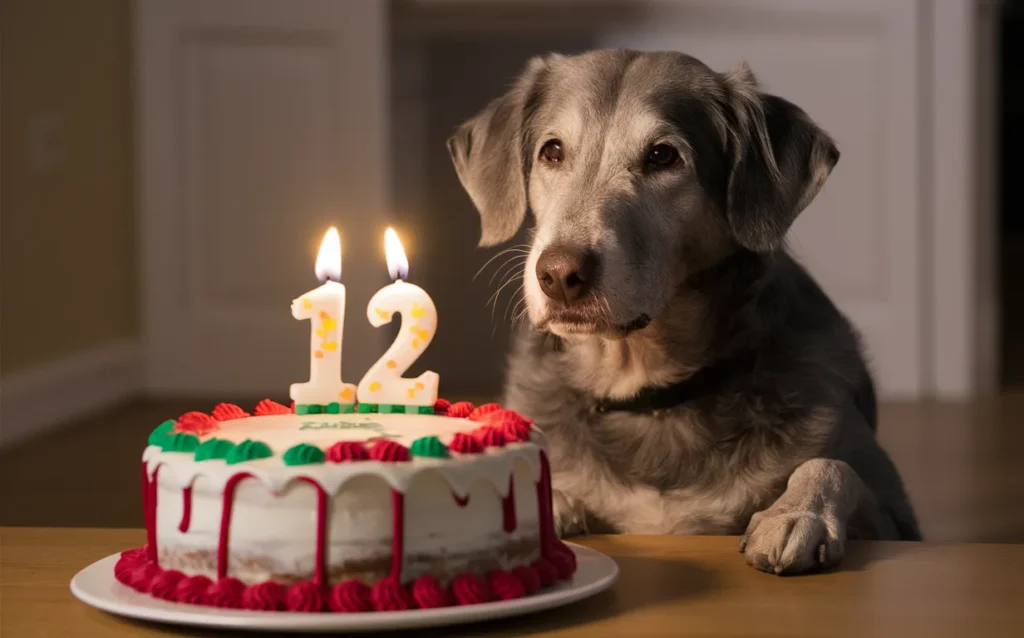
{"x": 690, "y": 376}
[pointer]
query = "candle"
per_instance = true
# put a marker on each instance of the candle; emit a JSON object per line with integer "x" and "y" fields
{"x": 324, "y": 307}
{"x": 383, "y": 386}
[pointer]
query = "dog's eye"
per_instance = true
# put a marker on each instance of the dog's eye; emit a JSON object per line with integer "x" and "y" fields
{"x": 552, "y": 151}
{"x": 662, "y": 156}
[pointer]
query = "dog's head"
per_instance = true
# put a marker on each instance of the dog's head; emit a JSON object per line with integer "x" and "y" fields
{"x": 639, "y": 168}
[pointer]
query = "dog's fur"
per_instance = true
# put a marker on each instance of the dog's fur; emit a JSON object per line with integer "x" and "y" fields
{"x": 693, "y": 273}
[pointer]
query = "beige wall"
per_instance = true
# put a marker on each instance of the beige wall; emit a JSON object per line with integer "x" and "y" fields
{"x": 67, "y": 240}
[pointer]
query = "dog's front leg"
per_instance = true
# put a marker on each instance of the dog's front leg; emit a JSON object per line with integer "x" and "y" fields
{"x": 570, "y": 515}
{"x": 805, "y": 528}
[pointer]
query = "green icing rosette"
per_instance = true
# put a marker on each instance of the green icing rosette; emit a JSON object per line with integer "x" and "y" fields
{"x": 161, "y": 433}
{"x": 429, "y": 446}
{"x": 303, "y": 454}
{"x": 213, "y": 449}
{"x": 180, "y": 442}
{"x": 248, "y": 450}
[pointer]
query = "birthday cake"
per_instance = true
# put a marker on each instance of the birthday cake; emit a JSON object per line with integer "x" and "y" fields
{"x": 346, "y": 511}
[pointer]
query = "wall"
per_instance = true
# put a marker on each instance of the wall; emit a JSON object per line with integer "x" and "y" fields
{"x": 67, "y": 213}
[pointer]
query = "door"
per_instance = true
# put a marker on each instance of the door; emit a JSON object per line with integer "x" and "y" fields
{"x": 853, "y": 66}
{"x": 260, "y": 123}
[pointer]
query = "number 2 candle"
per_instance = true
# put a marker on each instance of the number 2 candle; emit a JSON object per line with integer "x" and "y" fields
{"x": 324, "y": 307}
{"x": 383, "y": 384}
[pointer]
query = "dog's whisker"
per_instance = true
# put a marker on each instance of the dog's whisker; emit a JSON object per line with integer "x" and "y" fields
{"x": 519, "y": 248}
{"x": 518, "y": 292}
{"x": 515, "y": 262}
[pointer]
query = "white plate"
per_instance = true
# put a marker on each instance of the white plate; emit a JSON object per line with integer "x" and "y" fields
{"x": 96, "y": 586}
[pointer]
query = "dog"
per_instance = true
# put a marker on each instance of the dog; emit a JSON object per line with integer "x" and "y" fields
{"x": 689, "y": 375}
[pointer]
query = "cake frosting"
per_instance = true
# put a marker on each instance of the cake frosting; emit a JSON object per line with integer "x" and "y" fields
{"x": 346, "y": 511}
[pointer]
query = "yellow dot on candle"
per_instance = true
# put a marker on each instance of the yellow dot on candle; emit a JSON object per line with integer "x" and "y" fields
{"x": 329, "y": 346}
{"x": 391, "y": 364}
{"x": 419, "y": 332}
{"x": 417, "y": 311}
{"x": 307, "y": 304}
{"x": 320, "y": 332}
{"x": 375, "y": 386}
{"x": 419, "y": 386}
{"x": 346, "y": 394}
{"x": 412, "y": 393}
{"x": 319, "y": 354}
{"x": 328, "y": 323}
{"x": 415, "y": 343}
{"x": 383, "y": 314}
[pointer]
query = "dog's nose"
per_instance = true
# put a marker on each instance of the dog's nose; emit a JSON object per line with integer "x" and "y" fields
{"x": 566, "y": 273}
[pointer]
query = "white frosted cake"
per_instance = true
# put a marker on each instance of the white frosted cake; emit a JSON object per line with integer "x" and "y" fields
{"x": 280, "y": 511}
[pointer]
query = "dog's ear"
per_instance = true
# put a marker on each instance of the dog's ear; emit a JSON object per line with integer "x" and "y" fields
{"x": 493, "y": 156}
{"x": 781, "y": 160}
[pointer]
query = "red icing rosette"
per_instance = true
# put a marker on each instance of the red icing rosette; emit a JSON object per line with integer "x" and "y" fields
{"x": 304, "y": 596}
{"x": 388, "y": 594}
{"x": 344, "y": 451}
{"x": 546, "y": 572}
{"x": 350, "y": 596}
{"x": 267, "y": 407}
{"x": 265, "y": 596}
{"x": 389, "y": 451}
{"x": 441, "y": 406}
{"x": 464, "y": 443}
{"x": 226, "y": 593}
{"x": 198, "y": 423}
{"x": 529, "y": 577}
{"x": 515, "y": 426}
{"x": 137, "y": 555}
{"x": 429, "y": 593}
{"x": 460, "y": 410}
{"x": 192, "y": 590}
{"x": 480, "y": 412}
{"x": 141, "y": 578}
{"x": 123, "y": 569}
{"x": 470, "y": 589}
{"x": 505, "y": 585}
{"x": 490, "y": 436}
{"x": 564, "y": 560}
{"x": 165, "y": 583}
{"x": 228, "y": 412}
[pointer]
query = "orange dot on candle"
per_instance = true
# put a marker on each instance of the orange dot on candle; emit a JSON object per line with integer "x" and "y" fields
{"x": 419, "y": 386}
{"x": 319, "y": 354}
{"x": 391, "y": 364}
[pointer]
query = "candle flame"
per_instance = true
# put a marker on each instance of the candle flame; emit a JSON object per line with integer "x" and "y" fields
{"x": 398, "y": 263}
{"x": 328, "y": 260}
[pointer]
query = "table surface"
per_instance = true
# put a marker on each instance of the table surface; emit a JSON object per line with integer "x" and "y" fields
{"x": 669, "y": 585}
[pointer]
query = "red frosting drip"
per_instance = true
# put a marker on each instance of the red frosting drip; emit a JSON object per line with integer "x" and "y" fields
{"x": 225, "y": 522}
{"x": 343, "y": 451}
{"x": 490, "y": 436}
{"x": 304, "y": 596}
{"x": 186, "y": 509}
{"x": 192, "y": 590}
{"x": 397, "y": 533}
{"x": 165, "y": 583}
{"x": 529, "y": 577}
{"x": 266, "y": 596}
{"x": 461, "y": 501}
{"x": 564, "y": 559}
{"x": 389, "y": 595}
{"x": 470, "y": 589}
{"x": 149, "y": 510}
{"x": 460, "y": 410}
{"x": 545, "y": 514}
{"x": 546, "y": 572}
{"x": 320, "y": 575}
{"x": 441, "y": 406}
{"x": 141, "y": 578}
{"x": 482, "y": 411}
{"x": 228, "y": 411}
{"x": 267, "y": 407}
{"x": 429, "y": 593}
{"x": 198, "y": 423}
{"x": 465, "y": 444}
{"x": 226, "y": 592}
{"x": 351, "y": 596}
{"x": 389, "y": 451}
{"x": 505, "y": 585}
{"x": 508, "y": 508}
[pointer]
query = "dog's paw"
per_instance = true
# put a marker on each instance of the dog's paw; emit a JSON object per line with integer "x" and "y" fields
{"x": 792, "y": 542}
{"x": 570, "y": 515}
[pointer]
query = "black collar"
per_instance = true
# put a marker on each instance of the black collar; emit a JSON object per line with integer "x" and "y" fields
{"x": 705, "y": 382}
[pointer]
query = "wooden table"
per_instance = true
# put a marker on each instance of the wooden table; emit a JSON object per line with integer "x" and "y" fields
{"x": 670, "y": 585}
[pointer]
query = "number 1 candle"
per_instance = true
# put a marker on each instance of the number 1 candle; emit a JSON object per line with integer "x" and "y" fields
{"x": 324, "y": 307}
{"x": 383, "y": 384}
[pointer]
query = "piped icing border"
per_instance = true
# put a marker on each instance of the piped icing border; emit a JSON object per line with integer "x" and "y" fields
{"x": 135, "y": 569}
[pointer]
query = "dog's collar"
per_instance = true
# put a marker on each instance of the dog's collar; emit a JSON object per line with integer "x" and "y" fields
{"x": 704, "y": 382}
